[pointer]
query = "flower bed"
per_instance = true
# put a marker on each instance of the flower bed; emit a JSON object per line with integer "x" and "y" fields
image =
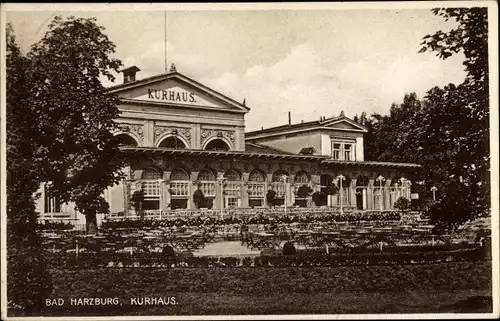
{"x": 255, "y": 219}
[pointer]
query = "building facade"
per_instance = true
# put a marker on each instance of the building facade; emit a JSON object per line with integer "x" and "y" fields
{"x": 181, "y": 137}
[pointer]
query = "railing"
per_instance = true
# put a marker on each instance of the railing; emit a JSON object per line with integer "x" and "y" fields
{"x": 56, "y": 216}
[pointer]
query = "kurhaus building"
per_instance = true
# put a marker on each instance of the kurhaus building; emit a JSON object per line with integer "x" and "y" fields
{"x": 181, "y": 136}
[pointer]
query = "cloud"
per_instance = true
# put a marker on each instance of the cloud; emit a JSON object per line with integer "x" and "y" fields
{"x": 302, "y": 83}
{"x": 307, "y": 83}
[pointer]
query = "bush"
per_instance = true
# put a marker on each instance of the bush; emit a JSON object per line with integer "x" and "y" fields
{"x": 168, "y": 251}
{"x": 289, "y": 249}
{"x": 199, "y": 198}
{"x": 319, "y": 198}
{"x": 304, "y": 191}
{"x": 402, "y": 203}
{"x": 270, "y": 197}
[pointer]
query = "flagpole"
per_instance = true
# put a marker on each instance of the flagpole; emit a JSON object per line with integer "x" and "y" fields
{"x": 165, "y": 34}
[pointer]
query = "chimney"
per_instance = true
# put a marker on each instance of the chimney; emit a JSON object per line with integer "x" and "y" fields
{"x": 289, "y": 118}
{"x": 129, "y": 74}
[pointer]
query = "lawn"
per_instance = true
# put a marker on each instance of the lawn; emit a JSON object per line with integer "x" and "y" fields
{"x": 419, "y": 288}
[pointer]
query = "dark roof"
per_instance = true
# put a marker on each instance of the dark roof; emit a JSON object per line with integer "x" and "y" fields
{"x": 307, "y": 124}
{"x": 259, "y": 148}
{"x": 307, "y": 151}
{"x": 249, "y": 154}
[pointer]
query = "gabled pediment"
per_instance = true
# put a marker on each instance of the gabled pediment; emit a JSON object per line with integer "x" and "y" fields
{"x": 176, "y": 89}
{"x": 343, "y": 123}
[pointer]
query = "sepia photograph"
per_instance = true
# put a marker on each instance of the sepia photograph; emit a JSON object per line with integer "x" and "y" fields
{"x": 280, "y": 160}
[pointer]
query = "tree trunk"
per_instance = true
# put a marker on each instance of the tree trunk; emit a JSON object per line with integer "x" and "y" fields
{"x": 91, "y": 223}
{"x": 141, "y": 212}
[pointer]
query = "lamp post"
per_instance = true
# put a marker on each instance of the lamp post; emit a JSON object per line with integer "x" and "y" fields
{"x": 380, "y": 179}
{"x": 284, "y": 178}
{"x": 341, "y": 178}
{"x": 221, "y": 180}
{"x": 434, "y": 189}
{"x": 403, "y": 181}
{"x": 160, "y": 198}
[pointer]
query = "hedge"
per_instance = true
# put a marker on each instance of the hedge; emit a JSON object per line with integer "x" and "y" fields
{"x": 119, "y": 260}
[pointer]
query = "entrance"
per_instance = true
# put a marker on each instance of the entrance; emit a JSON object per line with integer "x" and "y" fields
{"x": 359, "y": 198}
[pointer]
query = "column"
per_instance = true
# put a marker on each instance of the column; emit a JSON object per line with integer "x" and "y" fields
{"x": 190, "y": 203}
{"x": 218, "y": 195}
{"x": 365, "y": 196}
{"x": 291, "y": 199}
{"x": 387, "y": 195}
{"x": 370, "y": 197}
{"x": 266, "y": 188}
{"x": 244, "y": 191}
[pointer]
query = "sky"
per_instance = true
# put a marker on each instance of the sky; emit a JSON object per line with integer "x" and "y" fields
{"x": 311, "y": 63}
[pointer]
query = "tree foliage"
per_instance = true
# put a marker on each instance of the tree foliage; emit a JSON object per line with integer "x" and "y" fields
{"x": 28, "y": 281}
{"x": 448, "y": 131}
{"x": 75, "y": 113}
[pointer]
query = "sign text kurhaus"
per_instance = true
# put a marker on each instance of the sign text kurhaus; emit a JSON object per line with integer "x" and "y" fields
{"x": 170, "y": 95}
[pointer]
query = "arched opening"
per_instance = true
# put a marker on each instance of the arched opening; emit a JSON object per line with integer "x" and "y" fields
{"x": 179, "y": 188}
{"x": 172, "y": 142}
{"x": 278, "y": 185}
{"x": 125, "y": 140}
{"x": 217, "y": 145}
{"x": 150, "y": 183}
{"x": 256, "y": 188}
{"x": 302, "y": 188}
{"x": 361, "y": 192}
{"x": 232, "y": 188}
{"x": 206, "y": 184}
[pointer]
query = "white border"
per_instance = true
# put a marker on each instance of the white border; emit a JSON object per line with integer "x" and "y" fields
{"x": 493, "y": 65}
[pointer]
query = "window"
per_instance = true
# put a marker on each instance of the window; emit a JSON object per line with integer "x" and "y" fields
{"x": 206, "y": 183}
{"x": 256, "y": 202}
{"x": 233, "y": 183}
{"x": 343, "y": 149}
{"x": 179, "y": 183}
{"x": 232, "y": 202}
{"x": 347, "y": 152}
{"x": 151, "y": 187}
{"x": 256, "y": 187}
{"x": 336, "y": 151}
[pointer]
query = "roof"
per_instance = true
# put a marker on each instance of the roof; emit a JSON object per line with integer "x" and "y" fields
{"x": 259, "y": 148}
{"x": 179, "y": 76}
{"x": 307, "y": 151}
{"x": 305, "y": 126}
{"x": 151, "y": 151}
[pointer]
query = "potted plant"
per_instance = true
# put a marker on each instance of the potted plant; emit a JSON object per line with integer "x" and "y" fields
{"x": 270, "y": 197}
{"x": 402, "y": 204}
{"x": 199, "y": 198}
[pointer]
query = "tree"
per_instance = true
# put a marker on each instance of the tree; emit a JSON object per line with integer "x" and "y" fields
{"x": 466, "y": 108}
{"x": 75, "y": 113}
{"x": 28, "y": 282}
